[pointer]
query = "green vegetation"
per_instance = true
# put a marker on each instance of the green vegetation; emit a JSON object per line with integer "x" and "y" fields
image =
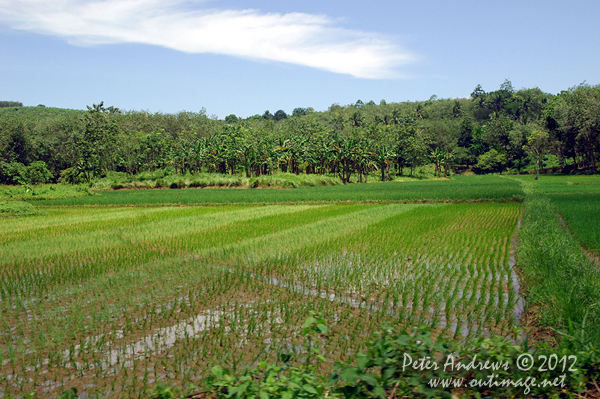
{"x": 504, "y": 130}
{"x": 126, "y": 298}
{"x": 43, "y": 192}
{"x": 16, "y": 108}
{"x": 559, "y": 278}
{"x": 580, "y": 214}
{"x": 17, "y": 173}
{"x": 162, "y": 179}
{"x": 120, "y": 297}
{"x": 460, "y": 188}
{"x": 4, "y": 104}
{"x": 18, "y": 208}
{"x": 562, "y": 280}
{"x": 561, "y": 184}
{"x": 577, "y": 200}
{"x": 381, "y": 371}
{"x": 282, "y": 300}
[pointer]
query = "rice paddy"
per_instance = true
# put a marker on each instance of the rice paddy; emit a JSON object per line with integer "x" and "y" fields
{"x": 460, "y": 188}
{"x": 577, "y": 200}
{"x": 113, "y": 299}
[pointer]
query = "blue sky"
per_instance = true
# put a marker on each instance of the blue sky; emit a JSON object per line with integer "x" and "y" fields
{"x": 245, "y": 57}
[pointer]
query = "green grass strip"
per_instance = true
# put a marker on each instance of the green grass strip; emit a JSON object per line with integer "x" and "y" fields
{"x": 291, "y": 239}
{"x": 459, "y": 189}
{"x": 558, "y": 276}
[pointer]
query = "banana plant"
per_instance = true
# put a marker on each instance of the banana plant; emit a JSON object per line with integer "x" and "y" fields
{"x": 437, "y": 157}
{"x": 384, "y": 156}
{"x": 447, "y": 161}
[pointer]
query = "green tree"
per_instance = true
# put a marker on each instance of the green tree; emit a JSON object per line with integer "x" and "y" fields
{"x": 337, "y": 121}
{"x": 437, "y": 157}
{"x": 537, "y": 144}
{"x": 8, "y": 104}
{"x": 98, "y": 141}
{"x": 574, "y": 118}
{"x": 15, "y": 141}
{"x": 490, "y": 162}
{"x": 356, "y": 119}
{"x": 37, "y": 173}
{"x": 280, "y": 115}
{"x": 231, "y": 118}
{"x": 517, "y": 155}
{"x": 299, "y": 111}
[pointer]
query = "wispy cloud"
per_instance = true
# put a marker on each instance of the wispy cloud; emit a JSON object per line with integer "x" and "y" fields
{"x": 298, "y": 38}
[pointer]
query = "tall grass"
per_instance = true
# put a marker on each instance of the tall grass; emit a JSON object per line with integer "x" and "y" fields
{"x": 18, "y": 208}
{"x": 43, "y": 192}
{"x": 558, "y": 277}
{"x": 162, "y": 178}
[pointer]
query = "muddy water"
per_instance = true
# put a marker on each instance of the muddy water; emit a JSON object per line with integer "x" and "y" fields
{"x": 124, "y": 356}
{"x": 351, "y": 299}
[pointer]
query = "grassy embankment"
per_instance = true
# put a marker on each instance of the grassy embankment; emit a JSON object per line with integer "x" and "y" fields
{"x": 560, "y": 224}
{"x": 19, "y": 200}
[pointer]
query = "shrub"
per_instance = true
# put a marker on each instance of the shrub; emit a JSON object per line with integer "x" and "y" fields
{"x": 37, "y": 172}
{"x": 70, "y": 176}
{"x": 178, "y": 184}
{"x": 384, "y": 372}
{"x": 490, "y": 162}
{"x": 17, "y": 208}
{"x": 393, "y": 366}
{"x": 273, "y": 381}
{"x": 12, "y": 173}
{"x": 198, "y": 183}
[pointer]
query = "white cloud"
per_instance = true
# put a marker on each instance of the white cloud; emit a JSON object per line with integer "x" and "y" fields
{"x": 296, "y": 38}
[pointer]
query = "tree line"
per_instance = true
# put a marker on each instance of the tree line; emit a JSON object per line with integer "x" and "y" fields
{"x": 5, "y": 104}
{"x": 502, "y": 130}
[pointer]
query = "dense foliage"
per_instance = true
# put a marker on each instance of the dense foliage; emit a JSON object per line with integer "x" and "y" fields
{"x": 506, "y": 129}
{"x": 382, "y": 370}
{"x": 4, "y": 104}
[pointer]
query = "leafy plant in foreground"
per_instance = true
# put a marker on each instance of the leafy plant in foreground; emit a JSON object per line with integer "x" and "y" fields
{"x": 273, "y": 381}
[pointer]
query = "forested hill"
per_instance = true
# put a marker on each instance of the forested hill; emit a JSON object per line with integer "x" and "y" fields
{"x": 37, "y": 112}
{"x": 500, "y": 130}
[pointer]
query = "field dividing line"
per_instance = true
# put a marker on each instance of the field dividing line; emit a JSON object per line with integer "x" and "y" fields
{"x": 296, "y": 238}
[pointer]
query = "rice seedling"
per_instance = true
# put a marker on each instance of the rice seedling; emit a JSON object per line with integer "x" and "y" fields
{"x": 459, "y": 189}
{"x": 581, "y": 212}
{"x": 111, "y": 300}
{"x": 577, "y": 201}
